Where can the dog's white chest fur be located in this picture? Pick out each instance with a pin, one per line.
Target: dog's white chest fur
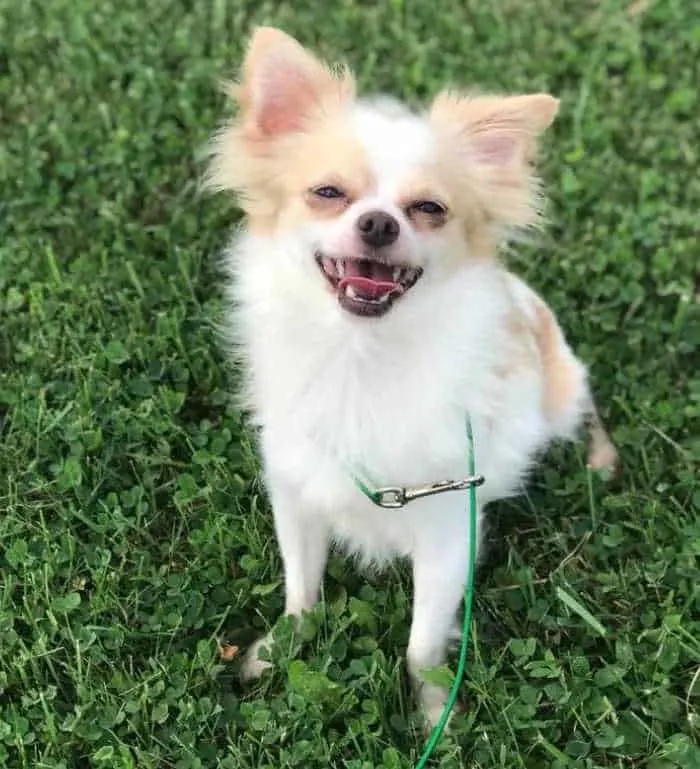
(337, 395)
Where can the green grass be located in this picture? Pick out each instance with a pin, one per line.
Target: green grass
(133, 531)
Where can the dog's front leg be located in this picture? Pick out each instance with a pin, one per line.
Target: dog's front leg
(439, 574)
(303, 542)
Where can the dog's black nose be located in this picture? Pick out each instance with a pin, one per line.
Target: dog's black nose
(378, 228)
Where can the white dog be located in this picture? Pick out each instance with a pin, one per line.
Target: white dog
(374, 317)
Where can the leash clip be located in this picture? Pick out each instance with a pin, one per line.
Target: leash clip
(399, 496)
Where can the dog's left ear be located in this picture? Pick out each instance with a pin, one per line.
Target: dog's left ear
(494, 131)
(283, 83)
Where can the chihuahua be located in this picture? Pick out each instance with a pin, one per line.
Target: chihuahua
(373, 315)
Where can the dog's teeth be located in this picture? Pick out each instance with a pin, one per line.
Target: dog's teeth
(340, 267)
(350, 291)
(397, 274)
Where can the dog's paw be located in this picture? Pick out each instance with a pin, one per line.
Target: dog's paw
(253, 667)
(602, 454)
(433, 700)
(603, 457)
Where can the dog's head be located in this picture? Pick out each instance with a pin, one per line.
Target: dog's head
(374, 198)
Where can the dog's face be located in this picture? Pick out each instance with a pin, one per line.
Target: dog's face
(374, 200)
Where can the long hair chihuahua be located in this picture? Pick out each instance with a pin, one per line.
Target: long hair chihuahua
(373, 316)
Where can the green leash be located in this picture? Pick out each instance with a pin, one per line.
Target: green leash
(398, 496)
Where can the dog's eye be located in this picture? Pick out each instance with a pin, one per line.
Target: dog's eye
(328, 191)
(429, 207)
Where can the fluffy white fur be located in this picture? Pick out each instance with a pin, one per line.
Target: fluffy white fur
(333, 392)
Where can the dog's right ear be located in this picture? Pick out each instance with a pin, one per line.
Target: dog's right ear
(494, 131)
(283, 84)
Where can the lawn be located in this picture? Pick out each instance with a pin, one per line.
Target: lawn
(136, 547)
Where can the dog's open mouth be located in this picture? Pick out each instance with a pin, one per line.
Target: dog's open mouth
(367, 287)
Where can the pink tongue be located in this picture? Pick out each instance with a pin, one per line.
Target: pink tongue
(368, 287)
(369, 279)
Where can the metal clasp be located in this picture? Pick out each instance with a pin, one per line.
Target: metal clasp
(399, 496)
